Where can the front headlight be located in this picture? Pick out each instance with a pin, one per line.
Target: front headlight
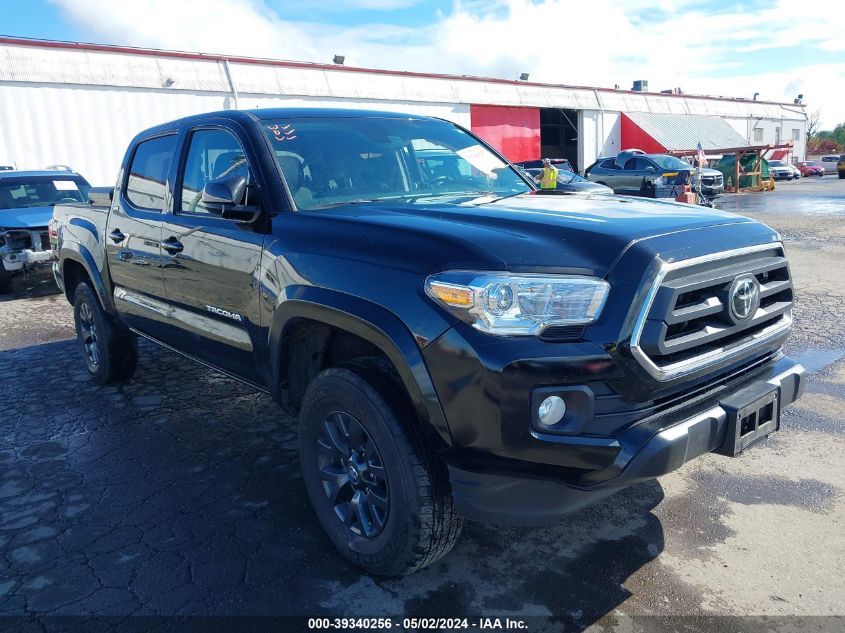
(511, 304)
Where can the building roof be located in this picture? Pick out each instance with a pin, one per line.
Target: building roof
(686, 131)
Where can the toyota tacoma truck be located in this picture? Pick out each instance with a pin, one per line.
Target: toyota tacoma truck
(456, 344)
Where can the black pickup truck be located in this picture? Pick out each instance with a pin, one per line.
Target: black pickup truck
(457, 345)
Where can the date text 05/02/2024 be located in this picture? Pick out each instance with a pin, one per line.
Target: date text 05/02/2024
(417, 624)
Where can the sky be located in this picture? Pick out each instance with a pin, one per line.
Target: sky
(779, 48)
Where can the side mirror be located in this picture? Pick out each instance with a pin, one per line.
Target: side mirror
(229, 190)
(650, 168)
(230, 194)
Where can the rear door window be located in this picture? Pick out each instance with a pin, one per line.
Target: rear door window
(146, 183)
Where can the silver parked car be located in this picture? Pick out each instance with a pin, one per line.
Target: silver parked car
(712, 182)
(780, 170)
(829, 163)
(635, 173)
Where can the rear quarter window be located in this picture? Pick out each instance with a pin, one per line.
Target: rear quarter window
(146, 182)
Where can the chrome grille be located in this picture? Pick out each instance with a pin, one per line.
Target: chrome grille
(687, 322)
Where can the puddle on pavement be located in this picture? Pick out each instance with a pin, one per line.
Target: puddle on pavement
(815, 360)
(809, 494)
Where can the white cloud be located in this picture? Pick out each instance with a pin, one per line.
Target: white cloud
(671, 43)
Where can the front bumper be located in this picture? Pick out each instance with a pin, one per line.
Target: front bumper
(516, 498)
(18, 260)
(712, 190)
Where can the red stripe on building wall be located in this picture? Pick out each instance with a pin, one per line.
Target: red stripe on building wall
(634, 137)
(515, 132)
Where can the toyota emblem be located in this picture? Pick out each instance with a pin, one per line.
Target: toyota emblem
(744, 298)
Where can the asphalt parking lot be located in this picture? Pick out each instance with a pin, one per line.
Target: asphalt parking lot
(179, 494)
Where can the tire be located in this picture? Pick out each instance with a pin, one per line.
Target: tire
(110, 351)
(405, 518)
(5, 281)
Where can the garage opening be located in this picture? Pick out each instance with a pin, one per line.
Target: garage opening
(559, 134)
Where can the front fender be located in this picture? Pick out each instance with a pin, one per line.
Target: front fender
(372, 323)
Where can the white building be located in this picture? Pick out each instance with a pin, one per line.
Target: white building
(80, 104)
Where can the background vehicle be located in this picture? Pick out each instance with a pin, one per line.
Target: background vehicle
(559, 163)
(634, 173)
(712, 182)
(569, 182)
(796, 173)
(26, 206)
(452, 351)
(780, 170)
(829, 163)
(811, 168)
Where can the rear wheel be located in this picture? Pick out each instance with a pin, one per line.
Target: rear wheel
(376, 483)
(110, 351)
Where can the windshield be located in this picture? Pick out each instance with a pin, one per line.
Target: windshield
(670, 162)
(41, 191)
(329, 161)
(776, 163)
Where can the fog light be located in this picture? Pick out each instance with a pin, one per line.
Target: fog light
(551, 410)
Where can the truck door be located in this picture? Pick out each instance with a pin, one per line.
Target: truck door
(211, 272)
(133, 233)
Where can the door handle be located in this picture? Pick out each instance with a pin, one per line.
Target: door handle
(116, 236)
(172, 245)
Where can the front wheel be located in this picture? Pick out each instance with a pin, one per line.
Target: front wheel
(110, 351)
(376, 483)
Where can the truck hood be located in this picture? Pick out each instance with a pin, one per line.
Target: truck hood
(586, 233)
(26, 218)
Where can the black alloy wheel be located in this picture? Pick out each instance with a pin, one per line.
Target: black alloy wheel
(372, 472)
(353, 475)
(88, 336)
(109, 349)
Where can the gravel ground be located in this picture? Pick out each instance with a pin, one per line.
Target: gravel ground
(179, 495)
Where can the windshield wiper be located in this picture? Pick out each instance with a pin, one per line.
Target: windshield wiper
(510, 195)
(342, 203)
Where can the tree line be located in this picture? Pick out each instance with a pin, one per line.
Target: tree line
(824, 141)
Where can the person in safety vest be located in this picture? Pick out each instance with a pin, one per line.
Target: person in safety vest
(548, 179)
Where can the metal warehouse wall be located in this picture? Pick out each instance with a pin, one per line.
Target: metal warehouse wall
(80, 104)
(89, 127)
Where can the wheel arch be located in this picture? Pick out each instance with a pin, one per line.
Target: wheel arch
(364, 320)
(78, 266)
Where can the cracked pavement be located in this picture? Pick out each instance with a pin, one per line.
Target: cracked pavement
(179, 494)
